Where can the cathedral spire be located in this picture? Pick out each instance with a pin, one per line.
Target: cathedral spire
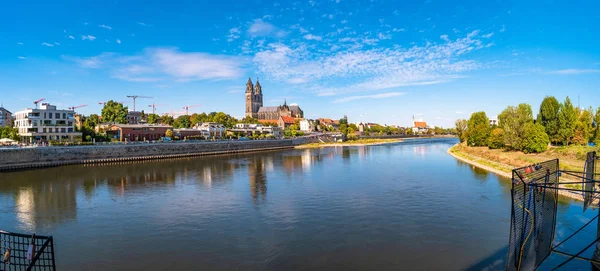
(249, 86)
(258, 88)
(284, 101)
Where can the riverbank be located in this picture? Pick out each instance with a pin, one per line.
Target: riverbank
(502, 162)
(358, 142)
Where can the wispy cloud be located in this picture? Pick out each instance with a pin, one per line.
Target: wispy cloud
(88, 37)
(503, 28)
(234, 33)
(118, 41)
(19, 43)
(312, 37)
(459, 112)
(574, 71)
(21, 57)
(374, 96)
(489, 35)
(258, 28)
(143, 24)
(371, 68)
(105, 26)
(71, 37)
(159, 64)
(47, 44)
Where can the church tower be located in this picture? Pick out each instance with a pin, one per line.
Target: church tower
(249, 99)
(258, 97)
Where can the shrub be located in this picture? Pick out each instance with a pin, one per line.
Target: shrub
(496, 139)
(536, 140)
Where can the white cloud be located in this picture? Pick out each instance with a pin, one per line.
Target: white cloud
(487, 36)
(503, 28)
(159, 64)
(234, 33)
(56, 43)
(459, 112)
(258, 28)
(368, 69)
(88, 37)
(21, 57)
(574, 71)
(235, 90)
(398, 29)
(374, 96)
(344, 22)
(143, 24)
(71, 37)
(47, 44)
(444, 38)
(297, 80)
(383, 36)
(312, 37)
(105, 26)
(118, 41)
(19, 43)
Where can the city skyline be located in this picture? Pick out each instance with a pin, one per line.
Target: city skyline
(378, 62)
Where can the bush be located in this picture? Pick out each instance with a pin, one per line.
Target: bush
(352, 137)
(536, 140)
(496, 140)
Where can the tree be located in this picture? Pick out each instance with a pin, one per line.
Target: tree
(580, 136)
(182, 122)
(461, 129)
(153, 118)
(249, 120)
(496, 140)
(353, 127)
(92, 121)
(9, 132)
(114, 112)
(169, 133)
(536, 140)
(586, 116)
(478, 128)
(168, 120)
(438, 130)
(596, 137)
(548, 117)
(512, 120)
(344, 128)
(567, 116)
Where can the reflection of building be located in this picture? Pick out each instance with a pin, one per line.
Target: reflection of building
(46, 123)
(258, 178)
(46, 205)
(255, 108)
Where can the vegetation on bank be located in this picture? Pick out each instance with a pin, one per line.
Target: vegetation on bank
(357, 142)
(557, 124)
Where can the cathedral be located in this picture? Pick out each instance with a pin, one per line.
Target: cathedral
(255, 108)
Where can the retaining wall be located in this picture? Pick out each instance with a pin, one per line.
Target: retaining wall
(15, 159)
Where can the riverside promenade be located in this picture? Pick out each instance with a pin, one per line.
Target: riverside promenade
(29, 158)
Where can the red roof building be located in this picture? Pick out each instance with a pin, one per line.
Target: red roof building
(285, 122)
(420, 124)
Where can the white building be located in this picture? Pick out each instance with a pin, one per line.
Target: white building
(5, 117)
(307, 125)
(46, 123)
(214, 129)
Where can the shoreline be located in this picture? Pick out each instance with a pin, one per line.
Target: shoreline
(473, 160)
(346, 144)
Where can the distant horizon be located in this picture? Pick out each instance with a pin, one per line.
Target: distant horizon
(374, 62)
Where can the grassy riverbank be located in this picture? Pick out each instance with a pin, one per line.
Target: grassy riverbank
(358, 142)
(502, 162)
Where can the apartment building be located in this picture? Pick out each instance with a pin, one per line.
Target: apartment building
(46, 123)
(5, 117)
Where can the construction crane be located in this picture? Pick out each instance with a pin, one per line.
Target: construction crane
(79, 106)
(153, 105)
(121, 102)
(173, 113)
(190, 106)
(38, 101)
(135, 97)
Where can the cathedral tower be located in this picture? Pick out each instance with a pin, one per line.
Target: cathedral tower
(258, 97)
(250, 99)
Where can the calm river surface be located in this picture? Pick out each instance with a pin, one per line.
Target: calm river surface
(404, 206)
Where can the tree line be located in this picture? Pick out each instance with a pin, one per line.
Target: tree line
(559, 124)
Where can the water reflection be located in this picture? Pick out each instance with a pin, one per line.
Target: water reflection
(258, 179)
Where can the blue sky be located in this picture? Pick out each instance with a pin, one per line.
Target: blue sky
(378, 61)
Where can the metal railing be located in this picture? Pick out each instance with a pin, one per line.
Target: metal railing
(26, 252)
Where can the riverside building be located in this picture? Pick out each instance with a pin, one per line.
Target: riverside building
(46, 123)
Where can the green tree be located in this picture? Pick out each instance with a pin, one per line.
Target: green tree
(478, 128)
(438, 130)
(496, 140)
(153, 118)
(344, 128)
(249, 120)
(353, 127)
(182, 122)
(92, 121)
(114, 112)
(167, 120)
(9, 132)
(596, 137)
(567, 116)
(536, 140)
(580, 136)
(548, 117)
(461, 129)
(512, 120)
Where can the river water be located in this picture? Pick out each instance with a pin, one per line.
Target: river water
(402, 206)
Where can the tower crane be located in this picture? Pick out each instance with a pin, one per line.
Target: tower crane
(190, 106)
(153, 105)
(134, 97)
(38, 101)
(79, 106)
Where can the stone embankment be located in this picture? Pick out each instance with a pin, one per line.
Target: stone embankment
(28, 158)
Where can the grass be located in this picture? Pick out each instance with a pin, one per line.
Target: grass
(358, 142)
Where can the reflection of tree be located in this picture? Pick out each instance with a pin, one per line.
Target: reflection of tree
(258, 178)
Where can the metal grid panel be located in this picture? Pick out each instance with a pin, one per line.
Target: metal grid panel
(588, 175)
(533, 215)
(19, 244)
